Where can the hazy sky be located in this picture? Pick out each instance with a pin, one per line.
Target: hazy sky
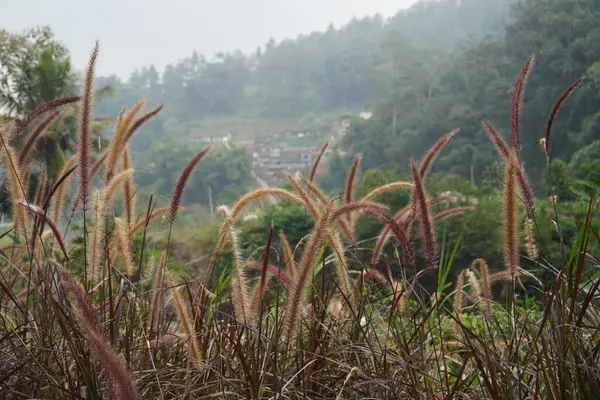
(134, 33)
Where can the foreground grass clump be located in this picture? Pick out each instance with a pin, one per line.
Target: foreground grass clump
(101, 316)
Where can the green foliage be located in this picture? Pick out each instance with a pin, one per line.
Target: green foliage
(34, 68)
(589, 153)
(458, 91)
(225, 170)
(557, 230)
(346, 68)
(59, 337)
(559, 180)
(491, 179)
(481, 233)
(374, 178)
(292, 218)
(590, 172)
(367, 226)
(334, 173)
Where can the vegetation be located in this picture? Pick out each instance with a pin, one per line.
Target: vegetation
(99, 314)
(472, 86)
(304, 83)
(137, 264)
(225, 169)
(417, 81)
(327, 70)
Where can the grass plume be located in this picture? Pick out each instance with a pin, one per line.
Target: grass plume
(288, 255)
(315, 166)
(94, 247)
(43, 215)
(239, 283)
(458, 297)
(357, 205)
(63, 186)
(240, 297)
(532, 251)
(427, 227)
(128, 189)
(511, 239)
(349, 188)
(295, 299)
(17, 188)
(384, 188)
(342, 223)
(84, 127)
(481, 267)
(476, 292)
(157, 297)
(138, 123)
(497, 139)
(181, 183)
(257, 194)
(35, 135)
(121, 383)
(42, 109)
(554, 112)
(186, 321)
(391, 225)
(118, 141)
(433, 152)
(505, 152)
(122, 239)
(516, 108)
(113, 185)
(349, 185)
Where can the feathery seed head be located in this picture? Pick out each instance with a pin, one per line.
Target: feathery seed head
(84, 127)
(427, 228)
(295, 300)
(511, 247)
(181, 183)
(517, 104)
(554, 112)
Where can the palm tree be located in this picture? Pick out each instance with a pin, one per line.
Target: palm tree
(35, 69)
(49, 78)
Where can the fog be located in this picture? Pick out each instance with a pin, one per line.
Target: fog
(134, 33)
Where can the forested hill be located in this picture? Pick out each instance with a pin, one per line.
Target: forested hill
(421, 105)
(441, 64)
(345, 68)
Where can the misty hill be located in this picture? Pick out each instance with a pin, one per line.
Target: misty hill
(302, 80)
(436, 66)
(421, 103)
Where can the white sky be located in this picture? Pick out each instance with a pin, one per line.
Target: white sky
(134, 33)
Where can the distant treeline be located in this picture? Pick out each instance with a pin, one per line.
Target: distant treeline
(334, 69)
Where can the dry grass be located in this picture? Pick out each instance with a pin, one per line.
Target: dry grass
(82, 322)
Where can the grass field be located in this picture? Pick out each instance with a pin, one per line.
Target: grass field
(107, 314)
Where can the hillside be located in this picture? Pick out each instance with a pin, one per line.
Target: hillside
(424, 103)
(303, 80)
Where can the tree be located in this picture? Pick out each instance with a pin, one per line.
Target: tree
(225, 169)
(589, 172)
(559, 181)
(35, 69)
